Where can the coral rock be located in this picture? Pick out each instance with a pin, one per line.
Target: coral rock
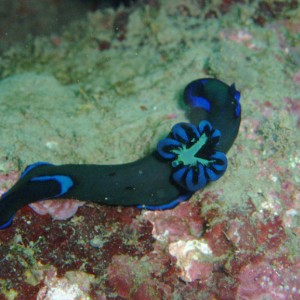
(265, 280)
(183, 222)
(192, 259)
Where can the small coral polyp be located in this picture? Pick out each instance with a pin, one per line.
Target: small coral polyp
(191, 150)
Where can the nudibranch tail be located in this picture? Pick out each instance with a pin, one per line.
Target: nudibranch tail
(33, 166)
(7, 223)
(191, 150)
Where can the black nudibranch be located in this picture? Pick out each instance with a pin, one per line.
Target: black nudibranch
(191, 156)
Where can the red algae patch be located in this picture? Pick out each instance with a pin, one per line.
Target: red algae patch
(35, 241)
(58, 209)
(133, 278)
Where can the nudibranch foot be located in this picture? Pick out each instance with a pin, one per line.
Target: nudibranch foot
(7, 223)
(168, 205)
(191, 150)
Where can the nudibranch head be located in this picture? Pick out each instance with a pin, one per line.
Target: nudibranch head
(191, 150)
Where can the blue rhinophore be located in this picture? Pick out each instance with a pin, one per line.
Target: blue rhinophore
(238, 109)
(197, 101)
(191, 150)
(65, 182)
(33, 166)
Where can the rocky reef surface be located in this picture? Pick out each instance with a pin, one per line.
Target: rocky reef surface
(105, 90)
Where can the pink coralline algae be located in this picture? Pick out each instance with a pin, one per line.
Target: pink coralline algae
(58, 209)
(249, 239)
(137, 278)
(269, 280)
(181, 229)
(239, 37)
(194, 249)
(182, 222)
(193, 259)
(266, 232)
(75, 285)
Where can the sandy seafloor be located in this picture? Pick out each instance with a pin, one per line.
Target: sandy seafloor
(105, 91)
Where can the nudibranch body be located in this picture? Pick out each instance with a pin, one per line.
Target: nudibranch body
(190, 157)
